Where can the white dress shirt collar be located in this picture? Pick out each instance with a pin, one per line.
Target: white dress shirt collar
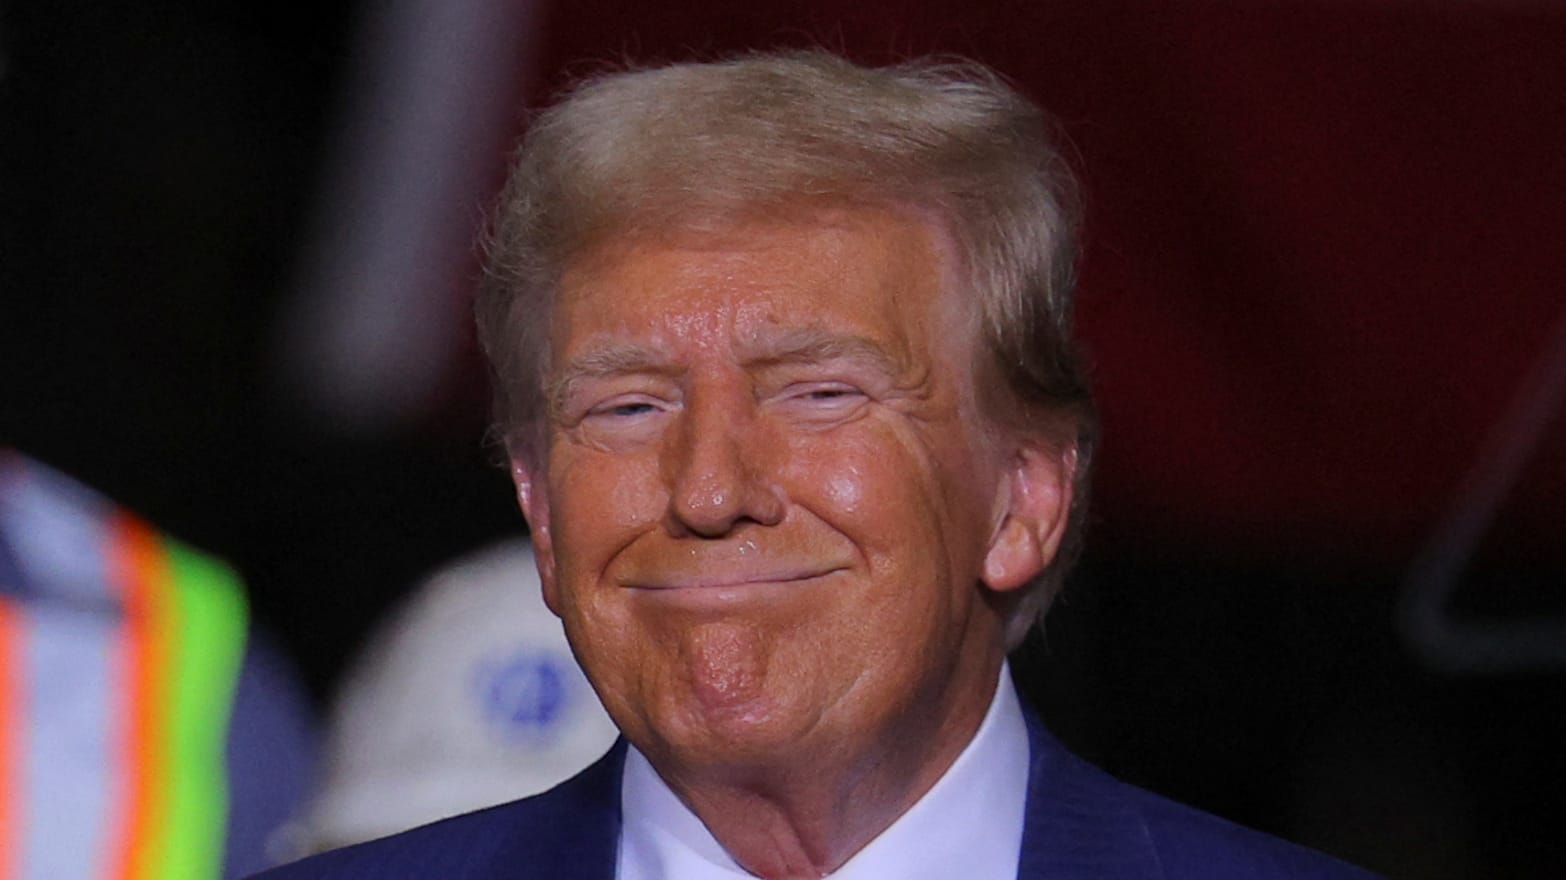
(969, 824)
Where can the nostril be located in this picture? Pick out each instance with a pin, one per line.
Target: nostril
(766, 506)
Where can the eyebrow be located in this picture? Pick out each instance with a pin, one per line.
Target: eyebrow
(802, 345)
(611, 359)
(806, 345)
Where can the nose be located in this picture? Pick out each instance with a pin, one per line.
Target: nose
(716, 471)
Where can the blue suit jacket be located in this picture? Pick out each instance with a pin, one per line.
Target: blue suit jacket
(1080, 824)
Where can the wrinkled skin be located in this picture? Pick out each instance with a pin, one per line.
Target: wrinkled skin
(776, 524)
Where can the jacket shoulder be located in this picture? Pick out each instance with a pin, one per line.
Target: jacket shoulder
(567, 833)
(1083, 823)
(1192, 844)
(455, 847)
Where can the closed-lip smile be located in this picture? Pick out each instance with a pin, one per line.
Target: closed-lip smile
(731, 580)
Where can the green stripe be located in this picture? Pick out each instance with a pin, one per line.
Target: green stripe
(207, 652)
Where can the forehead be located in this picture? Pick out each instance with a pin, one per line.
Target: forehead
(879, 275)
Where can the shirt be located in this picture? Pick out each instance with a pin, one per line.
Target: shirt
(968, 825)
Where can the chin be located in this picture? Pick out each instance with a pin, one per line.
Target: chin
(756, 732)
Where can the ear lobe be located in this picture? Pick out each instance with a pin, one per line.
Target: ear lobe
(1038, 505)
(534, 502)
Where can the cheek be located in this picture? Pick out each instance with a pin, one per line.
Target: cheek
(609, 500)
(869, 484)
(916, 504)
(845, 491)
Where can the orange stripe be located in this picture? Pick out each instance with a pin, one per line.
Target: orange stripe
(138, 566)
(11, 720)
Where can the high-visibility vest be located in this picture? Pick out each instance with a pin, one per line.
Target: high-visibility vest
(120, 650)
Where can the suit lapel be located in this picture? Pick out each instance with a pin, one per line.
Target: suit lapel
(1079, 823)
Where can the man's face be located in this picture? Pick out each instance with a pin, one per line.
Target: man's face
(768, 499)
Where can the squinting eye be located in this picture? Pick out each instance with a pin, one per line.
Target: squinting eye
(826, 395)
(625, 421)
(626, 409)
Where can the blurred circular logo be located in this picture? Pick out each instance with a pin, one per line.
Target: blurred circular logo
(524, 696)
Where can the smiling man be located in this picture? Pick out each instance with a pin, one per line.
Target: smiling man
(785, 373)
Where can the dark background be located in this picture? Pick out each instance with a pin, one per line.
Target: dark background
(1324, 263)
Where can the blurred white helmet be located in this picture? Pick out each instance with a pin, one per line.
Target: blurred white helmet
(467, 696)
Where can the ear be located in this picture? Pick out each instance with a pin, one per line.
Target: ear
(534, 501)
(1037, 503)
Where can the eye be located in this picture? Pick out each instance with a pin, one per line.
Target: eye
(623, 408)
(827, 394)
(629, 409)
(624, 421)
(829, 399)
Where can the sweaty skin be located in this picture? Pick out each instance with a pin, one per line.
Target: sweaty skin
(775, 522)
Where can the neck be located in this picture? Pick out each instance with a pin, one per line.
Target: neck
(805, 817)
